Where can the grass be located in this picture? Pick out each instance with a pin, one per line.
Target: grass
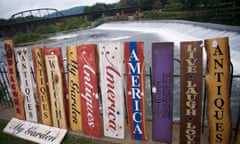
(69, 139)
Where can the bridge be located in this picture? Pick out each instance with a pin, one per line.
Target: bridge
(28, 21)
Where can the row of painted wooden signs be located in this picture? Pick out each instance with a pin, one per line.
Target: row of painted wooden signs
(77, 106)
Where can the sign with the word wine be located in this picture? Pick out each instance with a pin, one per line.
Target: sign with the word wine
(134, 62)
(218, 90)
(162, 91)
(75, 116)
(87, 66)
(26, 85)
(41, 83)
(34, 132)
(191, 92)
(17, 96)
(111, 76)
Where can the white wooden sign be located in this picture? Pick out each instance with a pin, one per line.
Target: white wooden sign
(111, 71)
(35, 132)
(26, 84)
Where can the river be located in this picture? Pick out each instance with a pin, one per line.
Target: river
(155, 31)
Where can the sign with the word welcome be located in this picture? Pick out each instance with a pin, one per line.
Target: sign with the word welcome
(35, 132)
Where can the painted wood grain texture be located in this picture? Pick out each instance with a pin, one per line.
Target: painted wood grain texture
(17, 95)
(55, 86)
(162, 91)
(191, 92)
(75, 112)
(41, 83)
(26, 84)
(218, 90)
(58, 52)
(87, 66)
(111, 75)
(35, 132)
(134, 61)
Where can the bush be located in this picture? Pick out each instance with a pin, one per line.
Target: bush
(26, 37)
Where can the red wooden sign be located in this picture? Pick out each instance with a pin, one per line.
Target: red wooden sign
(17, 95)
(134, 61)
(87, 66)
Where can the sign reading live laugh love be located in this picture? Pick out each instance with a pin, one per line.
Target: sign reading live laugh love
(111, 74)
(218, 90)
(191, 92)
(162, 91)
(26, 84)
(134, 61)
(87, 66)
(35, 132)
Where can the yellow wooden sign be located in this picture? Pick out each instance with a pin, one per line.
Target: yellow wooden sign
(55, 86)
(73, 90)
(218, 90)
(41, 82)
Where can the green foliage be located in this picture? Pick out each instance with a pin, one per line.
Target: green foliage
(26, 37)
(157, 5)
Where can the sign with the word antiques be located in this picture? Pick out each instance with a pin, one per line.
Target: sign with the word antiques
(75, 116)
(111, 76)
(218, 90)
(34, 132)
(26, 84)
(87, 66)
(17, 95)
(191, 92)
(162, 91)
(41, 83)
(134, 61)
(55, 85)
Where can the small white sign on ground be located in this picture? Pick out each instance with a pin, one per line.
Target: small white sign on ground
(35, 132)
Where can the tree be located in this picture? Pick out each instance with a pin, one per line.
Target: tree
(157, 5)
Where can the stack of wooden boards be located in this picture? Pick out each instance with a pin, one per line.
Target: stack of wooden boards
(112, 74)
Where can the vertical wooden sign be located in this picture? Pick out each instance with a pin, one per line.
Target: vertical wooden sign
(41, 83)
(162, 91)
(58, 53)
(55, 86)
(191, 92)
(87, 66)
(218, 90)
(17, 95)
(26, 85)
(134, 61)
(75, 116)
(111, 72)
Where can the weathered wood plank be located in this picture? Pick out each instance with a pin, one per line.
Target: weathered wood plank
(111, 74)
(218, 90)
(26, 84)
(134, 61)
(162, 91)
(55, 86)
(17, 95)
(75, 112)
(87, 66)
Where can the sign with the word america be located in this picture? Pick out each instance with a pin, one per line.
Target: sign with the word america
(111, 76)
(134, 61)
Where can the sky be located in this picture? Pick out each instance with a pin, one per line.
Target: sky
(10, 7)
